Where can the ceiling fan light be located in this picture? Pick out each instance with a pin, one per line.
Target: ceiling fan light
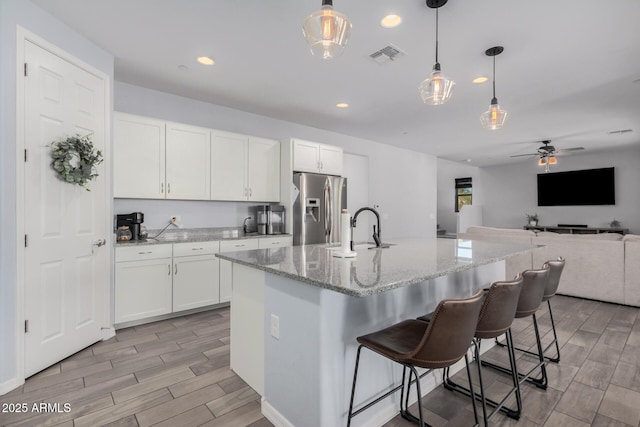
(542, 161)
(553, 160)
(436, 89)
(326, 31)
(494, 117)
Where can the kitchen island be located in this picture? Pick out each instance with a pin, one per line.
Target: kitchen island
(297, 311)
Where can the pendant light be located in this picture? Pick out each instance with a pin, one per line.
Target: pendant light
(494, 118)
(326, 31)
(436, 89)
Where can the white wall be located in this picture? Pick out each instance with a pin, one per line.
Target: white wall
(35, 20)
(402, 182)
(511, 191)
(447, 173)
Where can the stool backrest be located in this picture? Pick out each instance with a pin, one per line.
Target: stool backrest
(533, 286)
(449, 333)
(555, 271)
(499, 308)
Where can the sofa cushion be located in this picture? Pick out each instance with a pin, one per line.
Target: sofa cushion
(631, 237)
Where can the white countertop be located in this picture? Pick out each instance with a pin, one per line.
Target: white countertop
(372, 271)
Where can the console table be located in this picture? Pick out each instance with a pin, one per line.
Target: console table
(576, 230)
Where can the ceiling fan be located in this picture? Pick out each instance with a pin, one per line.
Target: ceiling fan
(548, 150)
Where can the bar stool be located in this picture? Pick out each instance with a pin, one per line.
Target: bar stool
(496, 317)
(416, 344)
(533, 287)
(555, 271)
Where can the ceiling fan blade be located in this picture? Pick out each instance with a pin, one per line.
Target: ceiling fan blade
(527, 155)
(568, 150)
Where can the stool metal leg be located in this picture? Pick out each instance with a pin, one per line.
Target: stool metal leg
(353, 387)
(498, 406)
(554, 342)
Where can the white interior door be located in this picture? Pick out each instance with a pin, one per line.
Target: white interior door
(66, 275)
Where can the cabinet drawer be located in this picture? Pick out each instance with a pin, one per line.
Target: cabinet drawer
(195, 248)
(275, 242)
(239, 245)
(143, 252)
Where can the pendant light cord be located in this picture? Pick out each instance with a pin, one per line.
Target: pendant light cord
(494, 76)
(437, 35)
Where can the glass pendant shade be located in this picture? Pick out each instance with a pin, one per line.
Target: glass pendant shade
(494, 117)
(542, 161)
(326, 31)
(552, 160)
(436, 89)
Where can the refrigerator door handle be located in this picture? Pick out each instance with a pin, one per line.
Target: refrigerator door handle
(330, 209)
(327, 212)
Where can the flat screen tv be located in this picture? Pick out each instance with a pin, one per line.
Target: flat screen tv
(577, 188)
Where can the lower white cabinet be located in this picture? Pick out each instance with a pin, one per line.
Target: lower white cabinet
(143, 287)
(196, 278)
(275, 242)
(226, 272)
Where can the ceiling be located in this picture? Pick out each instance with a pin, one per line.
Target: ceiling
(570, 71)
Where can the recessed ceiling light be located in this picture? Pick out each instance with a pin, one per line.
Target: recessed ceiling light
(391, 21)
(481, 79)
(205, 60)
(468, 160)
(342, 105)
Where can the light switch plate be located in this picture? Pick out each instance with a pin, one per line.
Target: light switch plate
(275, 326)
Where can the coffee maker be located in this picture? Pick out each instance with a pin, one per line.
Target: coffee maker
(133, 221)
(270, 219)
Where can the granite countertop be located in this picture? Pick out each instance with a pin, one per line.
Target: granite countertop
(184, 235)
(407, 262)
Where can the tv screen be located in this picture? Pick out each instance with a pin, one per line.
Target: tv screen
(577, 188)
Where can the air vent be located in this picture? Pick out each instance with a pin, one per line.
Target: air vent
(387, 54)
(620, 132)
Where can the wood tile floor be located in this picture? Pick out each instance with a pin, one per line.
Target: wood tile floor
(176, 373)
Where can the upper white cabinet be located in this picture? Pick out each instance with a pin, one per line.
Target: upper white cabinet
(315, 157)
(188, 157)
(139, 157)
(244, 168)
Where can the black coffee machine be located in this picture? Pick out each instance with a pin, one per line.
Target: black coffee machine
(133, 221)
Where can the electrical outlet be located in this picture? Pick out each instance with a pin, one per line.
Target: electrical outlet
(275, 326)
(176, 220)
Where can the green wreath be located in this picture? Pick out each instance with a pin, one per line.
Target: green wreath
(75, 159)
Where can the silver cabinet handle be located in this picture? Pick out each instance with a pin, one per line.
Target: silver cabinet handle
(239, 246)
(275, 243)
(168, 188)
(321, 165)
(169, 272)
(175, 269)
(144, 253)
(197, 249)
(250, 192)
(99, 242)
(162, 187)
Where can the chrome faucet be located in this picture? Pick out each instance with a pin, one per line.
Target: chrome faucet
(376, 233)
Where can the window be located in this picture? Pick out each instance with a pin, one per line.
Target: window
(463, 192)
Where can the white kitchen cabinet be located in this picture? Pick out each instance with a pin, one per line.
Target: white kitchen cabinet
(138, 157)
(188, 162)
(196, 278)
(228, 166)
(263, 170)
(275, 242)
(244, 168)
(317, 158)
(143, 282)
(226, 270)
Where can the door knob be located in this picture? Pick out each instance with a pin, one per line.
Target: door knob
(99, 242)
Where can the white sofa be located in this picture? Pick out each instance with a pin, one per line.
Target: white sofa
(604, 267)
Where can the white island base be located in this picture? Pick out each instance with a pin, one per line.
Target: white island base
(305, 374)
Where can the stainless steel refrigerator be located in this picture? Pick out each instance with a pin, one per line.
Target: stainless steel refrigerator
(318, 201)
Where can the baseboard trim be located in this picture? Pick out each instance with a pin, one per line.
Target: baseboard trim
(108, 333)
(276, 418)
(9, 385)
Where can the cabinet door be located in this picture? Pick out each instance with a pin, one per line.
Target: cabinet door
(331, 159)
(305, 156)
(226, 271)
(138, 157)
(196, 282)
(188, 162)
(228, 166)
(142, 289)
(264, 170)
